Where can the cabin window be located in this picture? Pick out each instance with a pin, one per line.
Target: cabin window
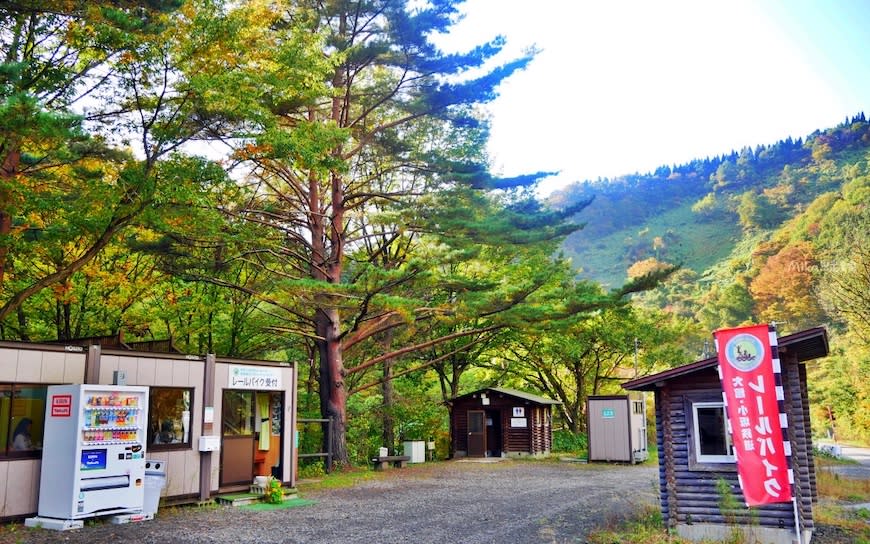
(22, 419)
(169, 418)
(712, 443)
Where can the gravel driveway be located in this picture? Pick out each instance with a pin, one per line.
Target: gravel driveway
(449, 502)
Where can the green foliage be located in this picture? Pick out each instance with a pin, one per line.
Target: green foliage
(567, 441)
(726, 306)
(311, 469)
(274, 492)
(363, 432)
(366, 219)
(840, 391)
(710, 207)
(729, 506)
(757, 211)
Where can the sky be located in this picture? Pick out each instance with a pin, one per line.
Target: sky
(622, 86)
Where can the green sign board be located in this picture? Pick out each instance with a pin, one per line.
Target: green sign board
(608, 413)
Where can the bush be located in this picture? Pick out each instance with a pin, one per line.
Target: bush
(312, 469)
(274, 492)
(566, 441)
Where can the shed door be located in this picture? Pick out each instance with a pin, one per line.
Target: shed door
(476, 433)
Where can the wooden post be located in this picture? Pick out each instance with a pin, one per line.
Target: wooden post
(329, 451)
(294, 453)
(205, 457)
(92, 364)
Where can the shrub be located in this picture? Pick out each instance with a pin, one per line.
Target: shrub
(274, 492)
(566, 441)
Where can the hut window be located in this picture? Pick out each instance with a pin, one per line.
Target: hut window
(712, 442)
(169, 418)
(22, 418)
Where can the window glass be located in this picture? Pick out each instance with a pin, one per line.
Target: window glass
(22, 419)
(712, 443)
(169, 417)
(238, 413)
(475, 422)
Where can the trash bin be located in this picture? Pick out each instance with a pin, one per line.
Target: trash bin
(155, 481)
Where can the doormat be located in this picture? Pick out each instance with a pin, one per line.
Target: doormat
(265, 506)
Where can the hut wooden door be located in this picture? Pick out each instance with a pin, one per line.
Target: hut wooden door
(476, 433)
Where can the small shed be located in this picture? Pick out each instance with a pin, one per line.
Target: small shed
(499, 422)
(616, 426)
(694, 453)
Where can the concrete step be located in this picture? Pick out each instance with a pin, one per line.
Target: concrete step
(255, 495)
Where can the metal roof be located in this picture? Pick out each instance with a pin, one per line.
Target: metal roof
(513, 393)
(807, 345)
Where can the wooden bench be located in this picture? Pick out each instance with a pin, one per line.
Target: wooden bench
(384, 461)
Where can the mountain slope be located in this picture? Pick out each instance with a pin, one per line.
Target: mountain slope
(696, 214)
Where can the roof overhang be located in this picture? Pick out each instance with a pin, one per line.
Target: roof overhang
(805, 345)
(511, 393)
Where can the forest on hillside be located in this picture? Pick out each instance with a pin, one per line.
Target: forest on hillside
(308, 182)
(774, 234)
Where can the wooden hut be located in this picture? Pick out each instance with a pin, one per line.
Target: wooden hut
(694, 455)
(499, 422)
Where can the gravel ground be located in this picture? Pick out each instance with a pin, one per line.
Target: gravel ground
(451, 502)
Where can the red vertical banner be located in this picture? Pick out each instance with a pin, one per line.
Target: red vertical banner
(752, 390)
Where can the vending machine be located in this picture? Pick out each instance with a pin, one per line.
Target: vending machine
(93, 457)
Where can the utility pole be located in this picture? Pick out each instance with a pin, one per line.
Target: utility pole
(636, 342)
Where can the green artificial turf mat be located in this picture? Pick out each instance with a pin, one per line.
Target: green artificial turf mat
(289, 503)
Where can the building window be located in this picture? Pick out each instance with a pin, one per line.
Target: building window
(711, 441)
(238, 413)
(169, 411)
(22, 420)
(637, 406)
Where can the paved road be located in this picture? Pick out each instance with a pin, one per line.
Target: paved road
(862, 455)
(859, 471)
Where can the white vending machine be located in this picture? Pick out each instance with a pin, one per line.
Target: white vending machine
(93, 457)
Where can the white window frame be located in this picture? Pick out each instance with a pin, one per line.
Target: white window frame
(696, 435)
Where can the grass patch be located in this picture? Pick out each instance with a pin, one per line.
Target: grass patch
(646, 527)
(341, 479)
(836, 487)
(846, 520)
(266, 506)
(697, 244)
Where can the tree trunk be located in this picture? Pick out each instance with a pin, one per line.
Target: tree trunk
(22, 325)
(67, 318)
(389, 431)
(7, 172)
(333, 395)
